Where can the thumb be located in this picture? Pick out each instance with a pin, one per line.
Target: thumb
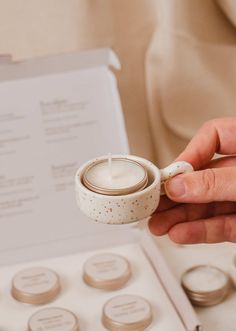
(203, 186)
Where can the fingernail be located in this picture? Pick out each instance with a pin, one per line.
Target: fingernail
(175, 187)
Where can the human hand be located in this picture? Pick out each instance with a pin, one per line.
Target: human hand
(200, 207)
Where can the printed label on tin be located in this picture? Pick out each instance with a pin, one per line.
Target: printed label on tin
(106, 267)
(128, 309)
(54, 319)
(35, 280)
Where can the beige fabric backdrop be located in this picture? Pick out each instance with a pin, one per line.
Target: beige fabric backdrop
(191, 71)
(38, 27)
(170, 46)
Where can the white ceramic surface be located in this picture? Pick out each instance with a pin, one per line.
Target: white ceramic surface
(128, 208)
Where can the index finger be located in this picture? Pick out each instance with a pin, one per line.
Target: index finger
(165, 203)
(215, 136)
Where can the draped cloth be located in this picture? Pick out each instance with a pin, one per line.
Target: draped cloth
(190, 71)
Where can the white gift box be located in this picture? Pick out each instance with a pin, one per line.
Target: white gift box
(56, 113)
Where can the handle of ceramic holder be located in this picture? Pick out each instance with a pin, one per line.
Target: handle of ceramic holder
(172, 170)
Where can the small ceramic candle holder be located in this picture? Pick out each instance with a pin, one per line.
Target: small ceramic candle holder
(129, 193)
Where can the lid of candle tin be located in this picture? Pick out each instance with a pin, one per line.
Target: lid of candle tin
(205, 285)
(127, 313)
(107, 271)
(128, 176)
(35, 286)
(54, 319)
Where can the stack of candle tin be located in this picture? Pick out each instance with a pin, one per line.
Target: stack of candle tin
(205, 285)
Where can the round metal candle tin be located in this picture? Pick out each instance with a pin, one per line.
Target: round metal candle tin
(53, 319)
(127, 313)
(131, 188)
(205, 285)
(35, 286)
(107, 271)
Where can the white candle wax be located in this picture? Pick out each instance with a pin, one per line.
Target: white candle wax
(205, 279)
(117, 176)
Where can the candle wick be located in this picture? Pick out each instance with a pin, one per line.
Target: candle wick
(110, 165)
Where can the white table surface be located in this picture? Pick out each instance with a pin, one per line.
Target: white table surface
(215, 318)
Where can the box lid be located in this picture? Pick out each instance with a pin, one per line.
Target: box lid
(53, 64)
(55, 113)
